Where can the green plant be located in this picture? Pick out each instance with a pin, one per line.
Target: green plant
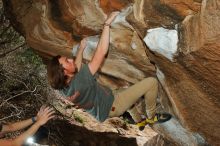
(30, 56)
(78, 118)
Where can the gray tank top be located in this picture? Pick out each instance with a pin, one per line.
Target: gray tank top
(95, 98)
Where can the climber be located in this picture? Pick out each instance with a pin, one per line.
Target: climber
(77, 82)
(44, 114)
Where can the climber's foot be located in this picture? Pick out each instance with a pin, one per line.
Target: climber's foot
(158, 118)
(163, 117)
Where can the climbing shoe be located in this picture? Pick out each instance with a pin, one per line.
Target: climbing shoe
(158, 118)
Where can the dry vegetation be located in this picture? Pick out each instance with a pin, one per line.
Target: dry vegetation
(23, 86)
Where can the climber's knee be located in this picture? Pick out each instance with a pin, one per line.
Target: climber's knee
(151, 80)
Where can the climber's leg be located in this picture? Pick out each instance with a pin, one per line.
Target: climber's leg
(125, 99)
(150, 98)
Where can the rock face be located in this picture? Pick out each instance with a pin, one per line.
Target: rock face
(177, 41)
(77, 136)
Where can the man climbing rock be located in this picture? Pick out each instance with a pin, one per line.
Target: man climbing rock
(77, 82)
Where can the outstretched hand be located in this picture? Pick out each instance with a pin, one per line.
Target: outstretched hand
(111, 17)
(44, 115)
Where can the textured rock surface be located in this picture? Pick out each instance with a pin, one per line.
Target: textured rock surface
(114, 131)
(189, 76)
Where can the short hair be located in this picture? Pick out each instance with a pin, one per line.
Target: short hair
(55, 73)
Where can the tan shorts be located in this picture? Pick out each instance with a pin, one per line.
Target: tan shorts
(126, 98)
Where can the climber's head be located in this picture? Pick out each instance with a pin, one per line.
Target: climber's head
(59, 70)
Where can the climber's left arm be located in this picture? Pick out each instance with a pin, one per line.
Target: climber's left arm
(79, 55)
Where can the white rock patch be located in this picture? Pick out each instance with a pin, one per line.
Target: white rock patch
(174, 130)
(162, 41)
